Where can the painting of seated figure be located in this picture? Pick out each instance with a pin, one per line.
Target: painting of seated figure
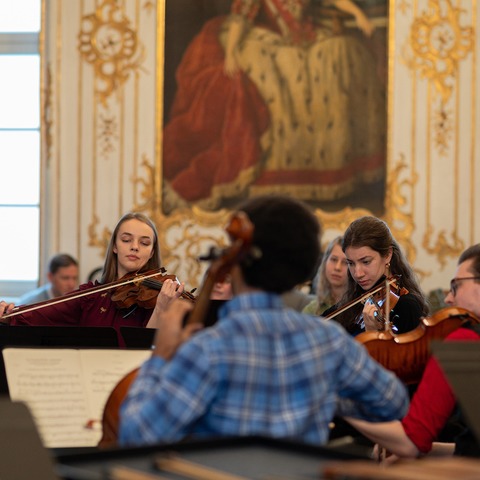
(275, 96)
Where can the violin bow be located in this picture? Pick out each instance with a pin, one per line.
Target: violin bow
(71, 296)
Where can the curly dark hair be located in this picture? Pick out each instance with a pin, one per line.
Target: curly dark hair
(287, 234)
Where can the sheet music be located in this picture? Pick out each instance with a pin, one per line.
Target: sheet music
(66, 389)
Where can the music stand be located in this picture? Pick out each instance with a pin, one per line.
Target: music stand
(137, 337)
(61, 336)
(460, 360)
(50, 336)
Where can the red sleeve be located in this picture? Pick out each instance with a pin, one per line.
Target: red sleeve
(433, 402)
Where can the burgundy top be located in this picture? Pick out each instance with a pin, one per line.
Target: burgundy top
(433, 402)
(95, 310)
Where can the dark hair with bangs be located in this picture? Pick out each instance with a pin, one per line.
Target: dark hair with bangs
(287, 234)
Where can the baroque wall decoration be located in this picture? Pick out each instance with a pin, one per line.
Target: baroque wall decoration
(109, 43)
(439, 42)
(107, 133)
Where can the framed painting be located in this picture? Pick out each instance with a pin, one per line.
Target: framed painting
(274, 96)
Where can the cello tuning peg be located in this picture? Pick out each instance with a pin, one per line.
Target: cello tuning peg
(213, 253)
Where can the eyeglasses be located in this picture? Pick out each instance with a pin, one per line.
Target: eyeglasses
(455, 281)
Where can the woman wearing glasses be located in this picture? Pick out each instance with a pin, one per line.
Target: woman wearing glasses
(434, 401)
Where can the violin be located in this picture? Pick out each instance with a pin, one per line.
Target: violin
(384, 296)
(406, 354)
(240, 230)
(144, 291)
(123, 282)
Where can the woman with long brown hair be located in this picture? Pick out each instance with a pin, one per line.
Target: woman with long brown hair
(372, 255)
(133, 248)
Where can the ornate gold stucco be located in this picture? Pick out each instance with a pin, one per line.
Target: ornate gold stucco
(107, 133)
(400, 221)
(438, 42)
(107, 42)
(442, 248)
(443, 128)
(101, 242)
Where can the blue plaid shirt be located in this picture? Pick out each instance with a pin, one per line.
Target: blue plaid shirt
(264, 370)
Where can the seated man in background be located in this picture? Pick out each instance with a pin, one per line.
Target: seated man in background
(262, 369)
(62, 279)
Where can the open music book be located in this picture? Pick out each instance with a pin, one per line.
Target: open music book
(66, 389)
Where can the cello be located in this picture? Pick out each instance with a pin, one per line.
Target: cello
(240, 231)
(406, 354)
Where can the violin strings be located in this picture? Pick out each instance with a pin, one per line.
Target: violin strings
(158, 285)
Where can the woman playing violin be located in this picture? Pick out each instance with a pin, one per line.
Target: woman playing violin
(434, 401)
(372, 255)
(133, 248)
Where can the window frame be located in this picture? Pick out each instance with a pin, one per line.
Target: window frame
(23, 43)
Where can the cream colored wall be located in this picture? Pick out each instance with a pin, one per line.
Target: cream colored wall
(102, 112)
(100, 83)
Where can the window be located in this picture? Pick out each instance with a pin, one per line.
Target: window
(19, 146)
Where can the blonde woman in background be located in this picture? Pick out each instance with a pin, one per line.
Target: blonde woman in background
(331, 279)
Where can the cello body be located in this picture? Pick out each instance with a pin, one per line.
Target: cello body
(111, 412)
(407, 354)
